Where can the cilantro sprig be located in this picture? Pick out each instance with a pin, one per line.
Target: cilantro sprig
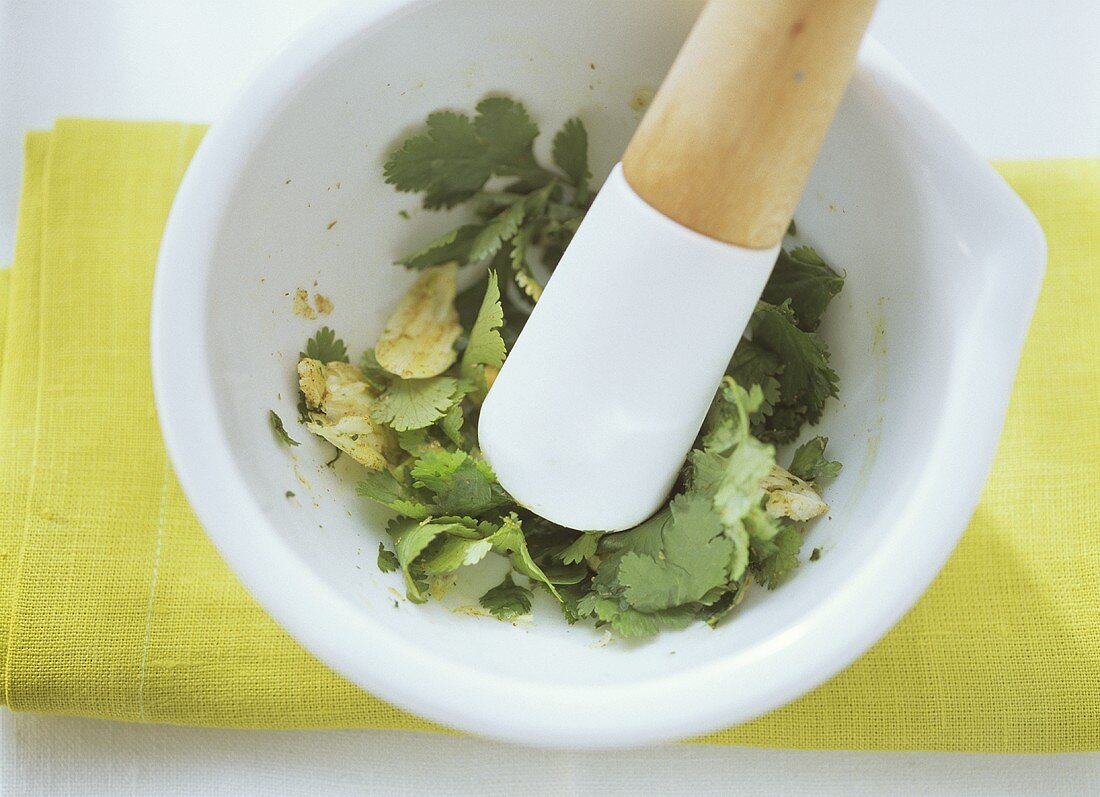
(537, 210)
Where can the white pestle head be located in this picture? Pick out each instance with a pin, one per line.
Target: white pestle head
(596, 407)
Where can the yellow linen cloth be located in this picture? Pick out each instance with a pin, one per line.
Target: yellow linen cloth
(114, 604)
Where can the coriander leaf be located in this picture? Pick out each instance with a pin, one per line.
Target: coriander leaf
(727, 421)
(485, 346)
(753, 365)
(449, 162)
(489, 203)
(387, 560)
(507, 600)
(646, 538)
(739, 558)
(815, 554)
(571, 155)
(436, 470)
(809, 461)
(451, 425)
(452, 246)
(725, 604)
(806, 380)
(455, 552)
(415, 442)
(732, 464)
(545, 539)
(509, 540)
(695, 559)
(705, 471)
(409, 541)
(499, 229)
(563, 214)
(386, 489)
(413, 540)
(778, 557)
(415, 403)
(280, 430)
(563, 575)
(783, 424)
(761, 526)
(738, 489)
(581, 548)
(460, 484)
(521, 268)
(325, 347)
(508, 133)
(571, 596)
(630, 623)
(537, 203)
(801, 276)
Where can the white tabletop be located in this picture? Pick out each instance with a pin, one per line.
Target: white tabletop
(1019, 78)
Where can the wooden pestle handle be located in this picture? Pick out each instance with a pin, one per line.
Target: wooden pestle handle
(730, 137)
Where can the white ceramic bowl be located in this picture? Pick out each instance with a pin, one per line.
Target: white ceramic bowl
(943, 263)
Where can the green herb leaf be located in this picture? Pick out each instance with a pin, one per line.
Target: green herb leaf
(415, 442)
(280, 430)
(410, 539)
(509, 540)
(727, 422)
(777, 557)
(453, 245)
(753, 365)
(449, 162)
(500, 228)
(571, 155)
(451, 425)
(415, 403)
(809, 461)
(507, 600)
(581, 548)
(455, 157)
(325, 347)
(806, 381)
(485, 346)
(460, 484)
(803, 278)
(694, 559)
(387, 560)
(521, 268)
(508, 133)
(385, 488)
(455, 552)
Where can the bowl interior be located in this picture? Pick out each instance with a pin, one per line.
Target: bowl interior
(310, 211)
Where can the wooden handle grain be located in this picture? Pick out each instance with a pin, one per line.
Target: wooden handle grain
(730, 137)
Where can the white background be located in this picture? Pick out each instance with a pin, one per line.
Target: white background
(1019, 78)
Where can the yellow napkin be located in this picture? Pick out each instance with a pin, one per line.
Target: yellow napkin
(114, 604)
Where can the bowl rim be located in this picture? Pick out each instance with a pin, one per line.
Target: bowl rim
(676, 705)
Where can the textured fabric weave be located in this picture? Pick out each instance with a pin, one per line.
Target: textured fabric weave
(113, 603)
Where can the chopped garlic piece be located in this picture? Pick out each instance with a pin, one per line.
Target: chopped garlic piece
(339, 401)
(790, 496)
(311, 382)
(418, 340)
